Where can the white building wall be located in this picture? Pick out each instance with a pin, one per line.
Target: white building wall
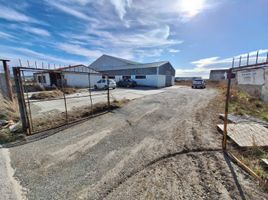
(173, 80)
(118, 78)
(161, 81)
(47, 78)
(254, 81)
(151, 80)
(251, 77)
(81, 80)
(264, 91)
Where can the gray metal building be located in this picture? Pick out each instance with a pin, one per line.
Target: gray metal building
(157, 74)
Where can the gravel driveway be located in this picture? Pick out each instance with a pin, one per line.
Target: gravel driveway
(162, 146)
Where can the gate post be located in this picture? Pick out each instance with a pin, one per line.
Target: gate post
(7, 77)
(20, 96)
(108, 93)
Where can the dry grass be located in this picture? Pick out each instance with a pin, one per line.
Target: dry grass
(8, 111)
(184, 83)
(242, 103)
(33, 87)
(53, 94)
(54, 120)
(252, 158)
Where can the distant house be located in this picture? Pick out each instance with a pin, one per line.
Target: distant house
(156, 74)
(218, 74)
(73, 76)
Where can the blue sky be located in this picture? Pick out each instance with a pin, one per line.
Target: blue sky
(194, 35)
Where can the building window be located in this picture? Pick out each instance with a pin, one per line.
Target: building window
(126, 77)
(111, 77)
(140, 77)
(41, 79)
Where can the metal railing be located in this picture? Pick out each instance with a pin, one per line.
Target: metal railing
(68, 111)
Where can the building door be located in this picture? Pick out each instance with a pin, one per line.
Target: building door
(168, 80)
(55, 79)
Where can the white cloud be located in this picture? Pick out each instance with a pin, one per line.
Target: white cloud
(13, 15)
(138, 45)
(82, 2)
(174, 50)
(156, 37)
(121, 6)
(37, 31)
(6, 35)
(203, 66)
(14, 53)
(205, 62)
(189, 9)
(79, 50)
(69, 10)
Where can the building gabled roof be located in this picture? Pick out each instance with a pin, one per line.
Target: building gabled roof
(71, 68)
(219, 70)
(107, 63)
(81, 68)
(121, 59)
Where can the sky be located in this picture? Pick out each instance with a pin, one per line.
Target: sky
(195, 36)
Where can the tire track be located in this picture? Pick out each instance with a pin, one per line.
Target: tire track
(164, 157)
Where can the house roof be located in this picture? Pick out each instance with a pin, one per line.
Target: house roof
(219, 70)
(107, 63)
(72, 68)
(123, 60)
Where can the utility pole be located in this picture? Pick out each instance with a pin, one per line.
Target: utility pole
(8, 80)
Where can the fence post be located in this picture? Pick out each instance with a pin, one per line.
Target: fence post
(20, 96)
(8, 81)
(108, 93)
(224, 141)
(64, 98)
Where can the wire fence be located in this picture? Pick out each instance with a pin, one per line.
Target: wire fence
(54, 98)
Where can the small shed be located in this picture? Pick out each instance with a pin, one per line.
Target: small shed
(79, 76)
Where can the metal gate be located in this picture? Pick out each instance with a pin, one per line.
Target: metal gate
(48, 101)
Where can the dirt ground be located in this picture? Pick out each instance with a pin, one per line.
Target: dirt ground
(162, 146)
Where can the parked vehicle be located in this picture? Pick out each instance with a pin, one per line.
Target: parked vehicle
(127, 83)
(199, 83)
(103, 84)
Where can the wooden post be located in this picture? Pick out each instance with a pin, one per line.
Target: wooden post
(8, 80)
(108, 93)
(224, 141)
(257, 56)
(20, 96)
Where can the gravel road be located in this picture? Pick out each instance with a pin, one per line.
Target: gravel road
(162, 146)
